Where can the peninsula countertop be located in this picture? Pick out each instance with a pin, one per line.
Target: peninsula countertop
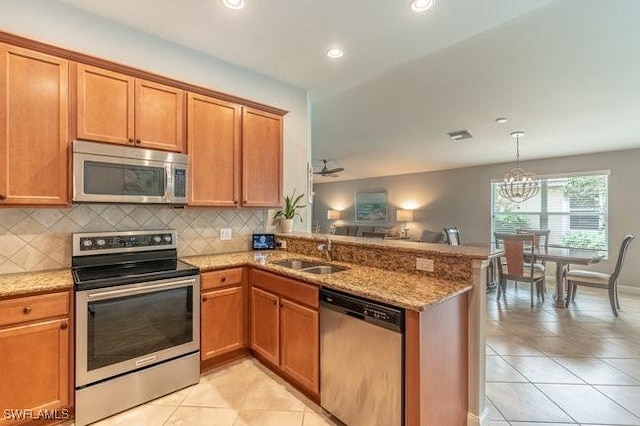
(396, 288)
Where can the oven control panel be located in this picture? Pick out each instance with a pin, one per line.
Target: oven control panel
(120, 242)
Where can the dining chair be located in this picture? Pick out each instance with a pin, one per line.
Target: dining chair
(516, 268)
(540, 239)
(576, 277)
(453, 236)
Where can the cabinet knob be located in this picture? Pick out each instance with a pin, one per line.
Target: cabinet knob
(26, 310)
(204, 298)
(223, 279)
(3, 197)
(130, 140)
(64, 326)
(138, 141)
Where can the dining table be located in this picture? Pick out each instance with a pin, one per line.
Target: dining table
(563, 257)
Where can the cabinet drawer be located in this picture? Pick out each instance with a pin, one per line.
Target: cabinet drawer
(31, 308)
(223, 278)
(286, 287)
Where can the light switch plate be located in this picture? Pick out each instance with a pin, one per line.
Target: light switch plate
(423, 264)
(225, 234)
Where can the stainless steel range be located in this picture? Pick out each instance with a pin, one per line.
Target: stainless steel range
(137, 320)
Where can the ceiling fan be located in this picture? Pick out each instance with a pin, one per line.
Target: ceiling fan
(326, 171)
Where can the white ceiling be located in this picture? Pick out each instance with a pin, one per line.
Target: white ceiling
(565, 71)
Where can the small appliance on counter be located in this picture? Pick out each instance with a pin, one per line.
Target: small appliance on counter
(137, 313)
(263, 242)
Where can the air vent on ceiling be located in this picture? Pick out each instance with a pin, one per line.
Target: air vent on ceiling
(460, 135)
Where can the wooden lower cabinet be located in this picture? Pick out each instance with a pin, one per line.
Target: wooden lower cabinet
(34, 358)
(222, 322)
(285, 327)
(299, 344)
(265, 324)
(224, 312)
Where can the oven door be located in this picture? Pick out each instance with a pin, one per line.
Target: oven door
(126, 328)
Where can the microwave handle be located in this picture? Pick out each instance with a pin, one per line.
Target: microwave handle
(140, 290)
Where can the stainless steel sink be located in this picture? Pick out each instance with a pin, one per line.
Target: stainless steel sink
(309, 266)
(325, 269)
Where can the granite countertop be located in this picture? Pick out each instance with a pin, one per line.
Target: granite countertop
(473, 251)
(12, 285)
(399, 289)
(396, 288)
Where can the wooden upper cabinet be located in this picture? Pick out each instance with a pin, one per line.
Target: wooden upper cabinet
(105, 110)
(159, 116)
(33, 128)
(213, 143)
(262, 158)
(117, 108)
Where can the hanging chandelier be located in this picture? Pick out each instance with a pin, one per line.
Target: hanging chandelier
(518, 185)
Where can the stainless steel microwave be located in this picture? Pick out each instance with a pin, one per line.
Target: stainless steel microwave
(108, 173)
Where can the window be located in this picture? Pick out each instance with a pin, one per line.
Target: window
(574, 208)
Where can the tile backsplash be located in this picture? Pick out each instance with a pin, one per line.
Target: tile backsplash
(39, 239)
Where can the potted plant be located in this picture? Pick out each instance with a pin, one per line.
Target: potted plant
(289, 211)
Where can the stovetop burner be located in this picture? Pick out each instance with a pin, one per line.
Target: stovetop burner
(118, 258)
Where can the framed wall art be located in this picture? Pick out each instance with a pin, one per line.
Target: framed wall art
(372, 206)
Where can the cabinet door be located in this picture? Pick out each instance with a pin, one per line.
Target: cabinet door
(105, 110)
(262, 158)
(265, 324)
(33, 128)
(213, 138)
(299, 342)
(35, 365)
(221, 321)
(159, 116)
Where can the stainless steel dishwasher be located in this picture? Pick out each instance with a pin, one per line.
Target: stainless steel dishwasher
(361, 360)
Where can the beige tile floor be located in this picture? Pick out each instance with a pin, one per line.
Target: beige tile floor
(242, 394)
(576, 366)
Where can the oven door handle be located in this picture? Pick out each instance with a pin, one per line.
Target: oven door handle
(140, 290)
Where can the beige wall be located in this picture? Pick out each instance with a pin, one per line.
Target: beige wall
(462, 198)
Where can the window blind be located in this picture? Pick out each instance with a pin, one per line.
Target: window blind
(574, 208)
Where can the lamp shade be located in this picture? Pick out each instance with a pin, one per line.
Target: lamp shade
(333, 214)
(404, 215)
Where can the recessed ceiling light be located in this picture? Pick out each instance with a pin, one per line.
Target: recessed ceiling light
(501, 120)
(335, 53)
(234, 4)
(420, 6)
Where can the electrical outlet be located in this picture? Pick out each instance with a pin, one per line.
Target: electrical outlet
(281, 244)
(225, 234)
(423, 264)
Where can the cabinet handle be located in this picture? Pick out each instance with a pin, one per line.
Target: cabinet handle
(274, 302)
(204, 298)
(223, 279)
(3, 197)
(138, 141)
(130, 140)
(64, 326)
(245, 201)
(26, 310)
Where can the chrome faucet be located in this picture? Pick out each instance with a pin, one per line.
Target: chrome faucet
(326, 248)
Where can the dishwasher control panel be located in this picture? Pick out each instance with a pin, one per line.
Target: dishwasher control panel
(379, 314)
(364, 309)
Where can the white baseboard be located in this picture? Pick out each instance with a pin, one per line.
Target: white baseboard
(483, 420)
(629, 289)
